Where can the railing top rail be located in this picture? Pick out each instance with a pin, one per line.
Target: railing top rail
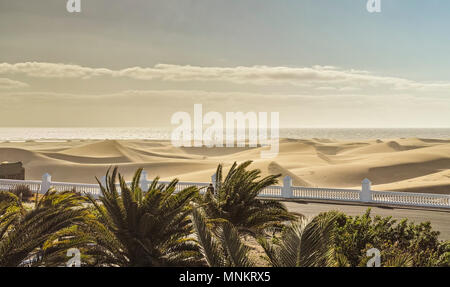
(20, 181)
(193, 183)
(400, 193)
(326, 188)
(74, 184)
(180, 182)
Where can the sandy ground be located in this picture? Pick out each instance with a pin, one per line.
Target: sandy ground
(414, 165)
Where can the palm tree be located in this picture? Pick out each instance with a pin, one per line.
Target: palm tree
(306, 243)
(399, 260)
(235, 199)
(137, 228)
(42, 235)
(222, 246)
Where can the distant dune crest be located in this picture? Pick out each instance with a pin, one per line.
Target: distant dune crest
(402, 164)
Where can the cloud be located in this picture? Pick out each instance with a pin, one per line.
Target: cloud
(8, 84)
(315, 77)
(52, 70)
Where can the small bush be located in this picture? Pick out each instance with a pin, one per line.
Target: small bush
(402, 243)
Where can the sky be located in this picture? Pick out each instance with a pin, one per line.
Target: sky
(135, 63)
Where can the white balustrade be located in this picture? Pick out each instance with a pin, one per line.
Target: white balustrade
(286, 191)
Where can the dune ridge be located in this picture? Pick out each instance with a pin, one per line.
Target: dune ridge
(413, 165)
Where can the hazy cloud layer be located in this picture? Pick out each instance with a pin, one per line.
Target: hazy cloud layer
(316, 77)
(136, 96)
(7, 84)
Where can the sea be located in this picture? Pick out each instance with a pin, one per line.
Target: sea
(129, 133)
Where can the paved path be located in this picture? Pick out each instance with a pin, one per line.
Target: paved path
(440, 220)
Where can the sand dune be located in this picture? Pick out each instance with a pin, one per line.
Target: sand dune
(391, 146)
(438, 182)
(275, 168)
(413, 165)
